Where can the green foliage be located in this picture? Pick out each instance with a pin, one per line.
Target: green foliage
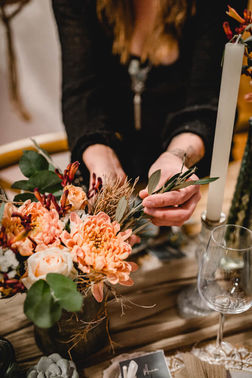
(46, 298)
(177, 181)
(1, 211)
(40, 306)
(153, 181)
(22, 197)
(194, 182)
(180, 181)
(38, 170)
(32, 162)
(45, 181)
(65, 290)
(44, 153)
(23, 185)
(120, 210)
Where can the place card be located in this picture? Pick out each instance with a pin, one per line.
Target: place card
(150, 365)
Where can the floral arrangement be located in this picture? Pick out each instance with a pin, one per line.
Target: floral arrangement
(238, 36)
(58, 242)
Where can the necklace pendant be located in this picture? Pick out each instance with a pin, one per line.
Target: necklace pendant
(138, 77)
(137, 111)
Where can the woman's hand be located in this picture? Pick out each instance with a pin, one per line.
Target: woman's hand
(102, 160)
(175, 207)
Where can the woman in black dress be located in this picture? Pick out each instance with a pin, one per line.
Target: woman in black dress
(140, 89)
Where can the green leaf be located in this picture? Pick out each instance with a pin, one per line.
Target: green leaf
(188, 173)
(45, 154)
(40, 149)
(23, 185)
(22, 197)
(32, 162)
(40, 306)
(53, 189)
(65, 291)
(58, 193)
(195, 182)
(120, 210)
(153, 181)
(1, 211)
(170, 183)
(44, 180)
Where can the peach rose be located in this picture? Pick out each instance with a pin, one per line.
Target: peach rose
(76, 197)
(51, 260)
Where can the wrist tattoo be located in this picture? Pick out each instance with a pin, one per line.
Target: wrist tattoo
(190, 156)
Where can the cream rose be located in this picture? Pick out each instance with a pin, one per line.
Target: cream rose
(51, 260)
(76, 197)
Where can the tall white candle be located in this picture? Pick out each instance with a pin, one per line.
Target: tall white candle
(230, 80)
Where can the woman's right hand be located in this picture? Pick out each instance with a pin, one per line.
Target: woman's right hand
(102, 160)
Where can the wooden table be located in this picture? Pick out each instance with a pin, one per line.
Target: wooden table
(142, 329)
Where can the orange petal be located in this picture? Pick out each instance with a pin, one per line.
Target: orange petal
(232, 13)
(125, 234)
(129, 282)
(133, 265)
(97, 291)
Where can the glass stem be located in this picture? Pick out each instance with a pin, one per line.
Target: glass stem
(220, 330)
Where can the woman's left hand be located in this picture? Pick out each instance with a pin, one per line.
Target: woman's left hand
(175, 207)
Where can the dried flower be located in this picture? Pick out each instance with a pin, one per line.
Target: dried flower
(69, 173)
(96, 186)
(8, 262)
(232, 13)
(227, 30)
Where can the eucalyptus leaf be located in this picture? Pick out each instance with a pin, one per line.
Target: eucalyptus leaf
(120, 210)
(51, 168)
(23, 185)
(58, 193)
(1, 211)
(46, 155)
(153, 181)
(170, 183)
(56, 190)
(44, 180)
(188, 173)
(32, 162)
(65, 291)
(40, 306)
(195, 182)
(22, 197)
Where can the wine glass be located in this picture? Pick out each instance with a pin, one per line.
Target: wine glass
(225, 276)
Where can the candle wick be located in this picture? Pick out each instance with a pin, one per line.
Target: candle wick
(237, 39)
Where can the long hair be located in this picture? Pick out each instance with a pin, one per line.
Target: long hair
(171, 16)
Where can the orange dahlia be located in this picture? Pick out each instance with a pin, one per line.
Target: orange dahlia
(97, 245)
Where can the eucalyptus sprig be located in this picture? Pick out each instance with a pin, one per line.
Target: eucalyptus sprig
(176, 182)
(39, 170)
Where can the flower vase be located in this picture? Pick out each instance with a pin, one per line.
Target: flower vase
(76, 335)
